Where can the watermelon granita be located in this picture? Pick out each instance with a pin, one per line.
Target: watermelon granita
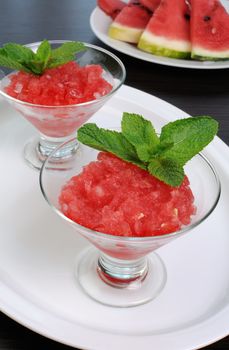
(67, 84)
(116, 197)
(168, 31)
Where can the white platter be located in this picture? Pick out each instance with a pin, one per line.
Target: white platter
(100, 22)
(38, 250)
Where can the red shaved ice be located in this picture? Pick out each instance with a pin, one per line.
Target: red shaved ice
(116, 197)
(67, 84)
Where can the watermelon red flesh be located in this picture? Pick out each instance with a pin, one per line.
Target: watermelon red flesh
(209, 27)
(133, 16)
(171, 20)
(111, 7)
(150, 4)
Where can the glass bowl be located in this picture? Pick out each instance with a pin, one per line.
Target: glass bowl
(125, 271)
(58, 124)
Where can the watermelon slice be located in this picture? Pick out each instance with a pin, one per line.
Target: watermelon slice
(150, 4)
(168, 31)
(209, 30)
(111, 7)
(130, 23)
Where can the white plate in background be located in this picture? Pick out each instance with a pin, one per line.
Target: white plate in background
(100, 22)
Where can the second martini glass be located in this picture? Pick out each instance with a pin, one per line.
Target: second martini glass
(58, 124)
(125, 271)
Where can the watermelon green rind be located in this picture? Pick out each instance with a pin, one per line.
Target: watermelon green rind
(202, 54)
(124, 33)
(163, 50)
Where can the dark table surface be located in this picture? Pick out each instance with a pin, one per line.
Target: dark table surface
(197, 92)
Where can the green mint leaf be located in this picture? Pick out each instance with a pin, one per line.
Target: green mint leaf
(109, 141)
(65, 53)
(3, 52)
(68, 49)
(19, 57)
(187, 137)
(18, 52)
(56, 62)
(167, 170)
(141, 134)
(43, 54)
(34, 67)
(10, 63)
(161, 149)
(39, 63)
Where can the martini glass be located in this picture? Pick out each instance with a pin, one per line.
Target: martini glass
(58, 124)
(125, 271)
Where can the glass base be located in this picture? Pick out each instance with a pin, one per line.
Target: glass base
(135, 293)
(36, 151)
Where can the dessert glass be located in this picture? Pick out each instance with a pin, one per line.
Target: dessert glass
(125, 271)
(58, 124)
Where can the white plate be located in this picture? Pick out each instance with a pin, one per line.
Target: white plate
(38, 250)
(100, 22)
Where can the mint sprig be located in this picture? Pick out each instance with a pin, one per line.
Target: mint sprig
(65, 53)
(138, 143)
(141, 134)
(19, 57)
(167, 170)
(187, 137)
(109, 141)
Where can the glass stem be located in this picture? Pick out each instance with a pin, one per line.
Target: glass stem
(47, 145)
(122, 273)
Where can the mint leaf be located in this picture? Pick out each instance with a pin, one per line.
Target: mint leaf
(3, 52)
(162, 148)
(68, 49)
(19, 53)
(39, 63)
(43, 54)
(10, 63)
(19, 57)
(34, 67)
(109, 141)
(65, 53)
(141, 134)
(56, 62)
(187, 137)
(167, 170)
